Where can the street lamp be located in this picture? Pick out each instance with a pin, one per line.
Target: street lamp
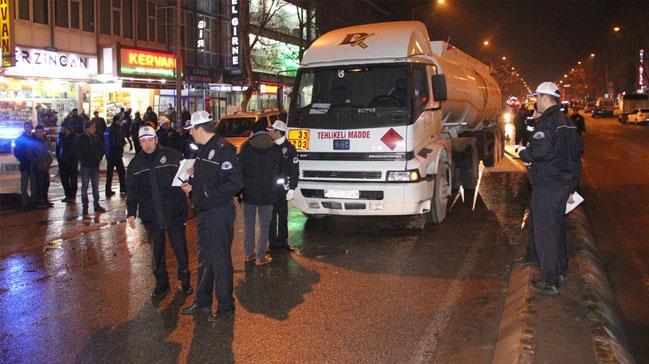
(485, 43)
(592, 55)
(412, 12)
(504, 58)
(616, 29)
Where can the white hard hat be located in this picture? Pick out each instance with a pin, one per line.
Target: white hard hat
(548, 88)
(198, 118)
(146, 132)
(278, 125)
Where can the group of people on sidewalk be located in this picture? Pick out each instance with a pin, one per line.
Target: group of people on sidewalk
(80, 147)
(263, 176)
(553, 155)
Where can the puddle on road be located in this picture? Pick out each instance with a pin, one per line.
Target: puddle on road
(323, 251)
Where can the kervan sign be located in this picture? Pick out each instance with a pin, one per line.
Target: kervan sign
(138, 62)
(34, 62)
(6, 34)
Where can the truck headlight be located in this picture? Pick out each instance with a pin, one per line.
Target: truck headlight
(403, 176)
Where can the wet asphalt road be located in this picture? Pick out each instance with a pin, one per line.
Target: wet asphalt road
(359, 290)
(616, 182)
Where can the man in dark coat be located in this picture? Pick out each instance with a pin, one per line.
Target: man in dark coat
(40, 161)
(114, 149)
(161, 207)
(290, 171)
(66, 155)
(260, 161)
(89, 153)
(100, 124)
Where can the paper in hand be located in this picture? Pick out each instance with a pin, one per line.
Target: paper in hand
(182, 175)
(576, 200)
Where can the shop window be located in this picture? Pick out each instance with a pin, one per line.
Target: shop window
(61, 13)
(23, 10)
(88, 10)
(104, 12)
(128, 18)
(40, 11)
(75, 14)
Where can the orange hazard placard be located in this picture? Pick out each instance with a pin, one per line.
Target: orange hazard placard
(299, 138)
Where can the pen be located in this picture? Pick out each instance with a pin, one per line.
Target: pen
(181, 181)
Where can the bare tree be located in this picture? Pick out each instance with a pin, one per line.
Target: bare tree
(306, 20)
(265, 11)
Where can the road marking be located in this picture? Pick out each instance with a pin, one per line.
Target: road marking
(426, 347)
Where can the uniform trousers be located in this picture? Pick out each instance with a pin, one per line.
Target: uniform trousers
(176, 234)
(215, 232)
(278, 232)
(548, 229)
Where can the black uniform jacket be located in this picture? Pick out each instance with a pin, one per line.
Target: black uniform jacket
(217, 177)
(260, 167)
(151, 196)
(290, 167)
(554, 151)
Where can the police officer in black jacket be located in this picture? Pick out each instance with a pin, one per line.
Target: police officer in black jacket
(290, 171)
(161, 207)
(216, 179)
(554, 157)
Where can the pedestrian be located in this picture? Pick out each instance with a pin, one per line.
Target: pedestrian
(127, 125)
(260, 160)
(40, 161)
(290, 171)
(185, 116)
(172, 115)
(216, 179)
(161, 207)
(100, 124)
(579, 120)
(167, 136)
(114, 149)
(135, 129)
(554, 157)
(74, 121)
(20, 152)
(66, 155)
(89, 153)
(84, 116)
(151, 117)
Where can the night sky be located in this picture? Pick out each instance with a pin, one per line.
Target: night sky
(543, 39)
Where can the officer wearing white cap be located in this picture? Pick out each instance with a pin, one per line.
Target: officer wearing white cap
(278, 234)
(216, 178)
(161, 207)
(554, 156)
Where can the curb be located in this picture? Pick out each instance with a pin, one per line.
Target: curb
(516, 332)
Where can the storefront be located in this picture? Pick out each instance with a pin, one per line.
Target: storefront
(42, 88)
(133, 78)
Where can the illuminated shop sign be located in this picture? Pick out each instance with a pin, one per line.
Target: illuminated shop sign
(268, 89)
(6, 34)
(33, 62)
(200, 42)
(234, 39)
(138, 62)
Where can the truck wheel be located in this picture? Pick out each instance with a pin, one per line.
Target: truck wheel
(439, 204)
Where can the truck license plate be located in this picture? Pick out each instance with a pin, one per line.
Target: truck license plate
(299, 138)
(342, 194)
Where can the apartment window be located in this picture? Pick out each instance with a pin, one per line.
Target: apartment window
(23, 10)
(128, 18)
(75, 14)
(88, 15)
(117, 17)
(141, 20)
(104, 15)
(151, 8)
(40, 11)
(61, 13)
(162, 26)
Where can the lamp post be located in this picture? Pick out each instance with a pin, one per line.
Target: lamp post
(412, 12)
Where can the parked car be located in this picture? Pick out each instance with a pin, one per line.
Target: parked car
(600, 112)
(235, 128)
(638, 116)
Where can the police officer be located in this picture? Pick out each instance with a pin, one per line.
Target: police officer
(161, 207)
(290, 170)
(216, 178)
(554, 155)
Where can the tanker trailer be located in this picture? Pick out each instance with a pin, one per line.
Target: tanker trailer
(377, 113)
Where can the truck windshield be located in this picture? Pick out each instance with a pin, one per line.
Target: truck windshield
(351, 97)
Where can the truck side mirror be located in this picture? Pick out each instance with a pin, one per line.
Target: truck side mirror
(439, 87)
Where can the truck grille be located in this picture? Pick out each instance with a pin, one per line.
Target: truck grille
(342, 174)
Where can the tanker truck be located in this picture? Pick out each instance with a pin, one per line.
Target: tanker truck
(386, 122)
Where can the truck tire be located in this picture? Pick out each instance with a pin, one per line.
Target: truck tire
(439, 204)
